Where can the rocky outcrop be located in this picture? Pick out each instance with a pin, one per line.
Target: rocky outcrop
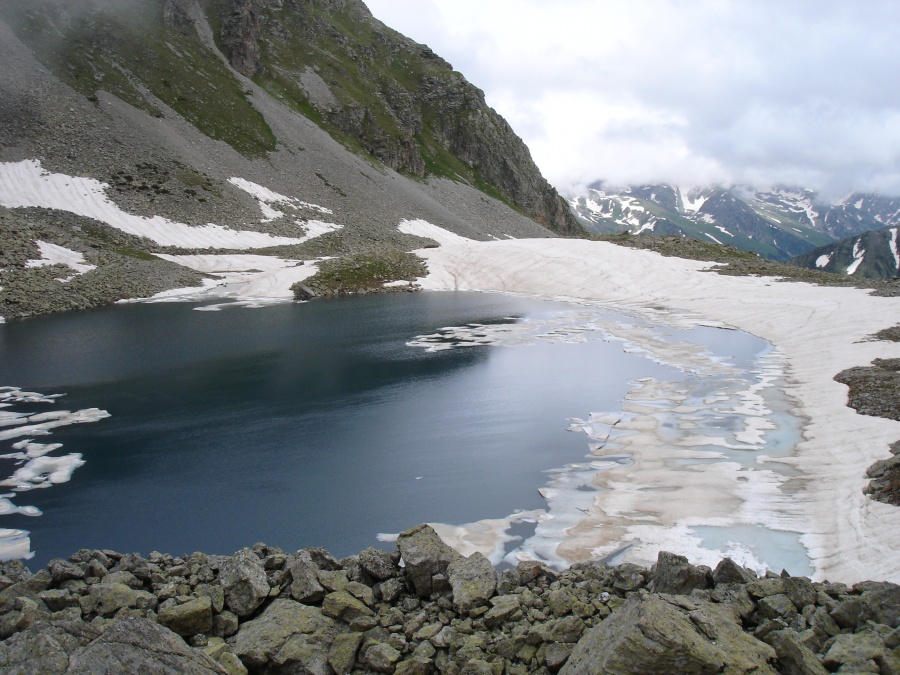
(397, 99)
(425, 609)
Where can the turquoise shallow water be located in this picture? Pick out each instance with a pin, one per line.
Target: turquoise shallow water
(313, 424)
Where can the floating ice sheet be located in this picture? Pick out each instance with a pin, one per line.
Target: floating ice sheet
(710, 451)
(32, 464)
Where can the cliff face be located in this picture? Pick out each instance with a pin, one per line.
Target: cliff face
(384, 94)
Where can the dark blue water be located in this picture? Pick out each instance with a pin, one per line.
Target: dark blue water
(301, 424)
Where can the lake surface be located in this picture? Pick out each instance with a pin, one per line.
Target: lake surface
(315, 424)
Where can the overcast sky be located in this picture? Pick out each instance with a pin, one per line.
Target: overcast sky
(683, 91)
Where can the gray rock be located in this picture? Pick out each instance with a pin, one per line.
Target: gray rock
(43, 648)
(378, 563)
(424, 555)
(414, 666)
(674, 574)
(305, 586)
(287, 635)
(502, 608)
(654, 636)
(473, 581)
(244, 580)
(342, 654)
(795, 657)
(556, 655)
(107, 599)
(777, 606)
(191, 618)
(390, 590)
(341, 605)
(141, 646)
(382, 657)
(729, 572)
(853, 651)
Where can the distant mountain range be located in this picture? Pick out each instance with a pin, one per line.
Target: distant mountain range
(778, 224)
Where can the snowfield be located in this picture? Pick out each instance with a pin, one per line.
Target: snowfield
(819, 330)
(26, 184)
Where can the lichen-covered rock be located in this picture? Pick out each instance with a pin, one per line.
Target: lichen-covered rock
(107, 599)
(655, 636)
(424, 555)
(378, 564)
(473, 581)
(674, 574)
(305, 586)
(190, 618)
(141, 646)
(287, 635)
(794, 656)
(244, 580)
(343, 606)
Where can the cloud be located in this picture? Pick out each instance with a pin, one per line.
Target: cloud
(682, 91)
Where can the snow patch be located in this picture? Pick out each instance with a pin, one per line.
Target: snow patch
(52, 254)
(26, 184)
(422, 228)
(859, 255)
(894, 248)
(823, 260)
(267, 198)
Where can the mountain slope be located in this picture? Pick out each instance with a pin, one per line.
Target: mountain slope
(776, 224)
(870, 255)
(142, 99)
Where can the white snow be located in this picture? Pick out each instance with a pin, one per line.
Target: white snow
(52, 254)
(859, 255)
(691, 205)
(26, 184)
(422, 228)
(712, 237)
(267, 198)
(894, 248)
(723, 230)
(244, 279)
(818, 330)
(823, 260)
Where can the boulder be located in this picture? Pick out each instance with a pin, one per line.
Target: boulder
(729, 572)
(135, 645)
(652, 635)
(287, 635)
(853, 651)
(382, 657)
(244, 580)
(191, 618)
(794, 656)
(107, 599)
(424, 555)
(341, 605)
(44, 648)
(378, 563)
(305, 586)
(342, 654)
(675, 575)
(473, 581)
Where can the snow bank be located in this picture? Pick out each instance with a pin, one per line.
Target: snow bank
(422, 228)
(25, 184)
(819, 331)
(51, 254)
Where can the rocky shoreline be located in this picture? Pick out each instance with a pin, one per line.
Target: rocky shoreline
(424, 608)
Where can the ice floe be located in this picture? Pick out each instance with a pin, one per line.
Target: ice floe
(33, 465)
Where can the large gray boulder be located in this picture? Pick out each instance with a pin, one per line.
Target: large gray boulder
(424, 555)
(653, 635)
(305, 586)
(45, 648)
(244, 579)
(193, 617)
(473, 580)
(135, 645)
(288, 637)
(674, 574)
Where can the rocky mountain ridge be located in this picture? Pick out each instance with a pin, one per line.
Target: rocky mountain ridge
(874, 254)
(424, 608)
(152, 100)
(776, 223)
